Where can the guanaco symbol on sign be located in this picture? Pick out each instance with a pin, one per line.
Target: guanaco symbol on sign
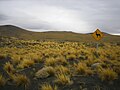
(98, 35)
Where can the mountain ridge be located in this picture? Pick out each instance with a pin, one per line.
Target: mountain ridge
(18, 32)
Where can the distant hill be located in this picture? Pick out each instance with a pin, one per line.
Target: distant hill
(13, 31)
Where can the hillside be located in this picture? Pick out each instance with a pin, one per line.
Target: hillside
(57, 65)
(13, 31)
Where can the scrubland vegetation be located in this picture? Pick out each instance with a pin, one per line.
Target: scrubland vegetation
(51, 65)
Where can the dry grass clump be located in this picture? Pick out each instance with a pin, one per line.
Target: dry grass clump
(107, 74)
(71, 56)
(61, 60)
(61, 69)
(81, 68)
(20, 79)
(8, 67)
(55, 61)
(2, 81)
(50, 62)
(48, 87)
(15, 59)
(36, 57)
(117, 69)
(82, 57)
(26, 63)
(2, 56)
(62, 79)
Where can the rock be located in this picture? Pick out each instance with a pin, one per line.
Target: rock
(84, 89)
(95, 65)
(42, 73)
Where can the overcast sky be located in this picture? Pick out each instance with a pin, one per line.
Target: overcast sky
(81, 16)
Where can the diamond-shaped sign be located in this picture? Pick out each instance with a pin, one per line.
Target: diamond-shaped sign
(97, 35)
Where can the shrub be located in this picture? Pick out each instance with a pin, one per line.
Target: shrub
(48, 87)
(2, 81)
(62, 79)
(108, 75)
(8, 67)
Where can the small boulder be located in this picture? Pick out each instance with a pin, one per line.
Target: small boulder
(95, 65)
(42, 73)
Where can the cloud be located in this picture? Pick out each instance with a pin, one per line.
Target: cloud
(80, 16)
(3, 17)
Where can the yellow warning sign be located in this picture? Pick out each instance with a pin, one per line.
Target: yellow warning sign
(97, 35)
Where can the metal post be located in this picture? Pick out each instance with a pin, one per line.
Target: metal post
(97, 46)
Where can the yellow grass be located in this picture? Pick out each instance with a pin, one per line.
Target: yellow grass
(20, 79)
(48, 87)
(8, 67)
(50, 62)
(108, 75)
(26, 63)
(62, 79)
(61, 69)
(81, 68)
(2, 81)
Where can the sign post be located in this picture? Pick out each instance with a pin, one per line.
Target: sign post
(97, 35)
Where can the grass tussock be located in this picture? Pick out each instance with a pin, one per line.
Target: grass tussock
(25, 63)
(3, 56)
(61, 60)
(62, 79)
(2, 81)
(8, 67)
(20, 79)
(50, 62)
(71, 56)
(16, 59)
(48, 87)
(62, 69)
(82, 69)
(107, 75)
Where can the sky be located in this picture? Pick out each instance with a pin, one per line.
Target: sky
(81, 16)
